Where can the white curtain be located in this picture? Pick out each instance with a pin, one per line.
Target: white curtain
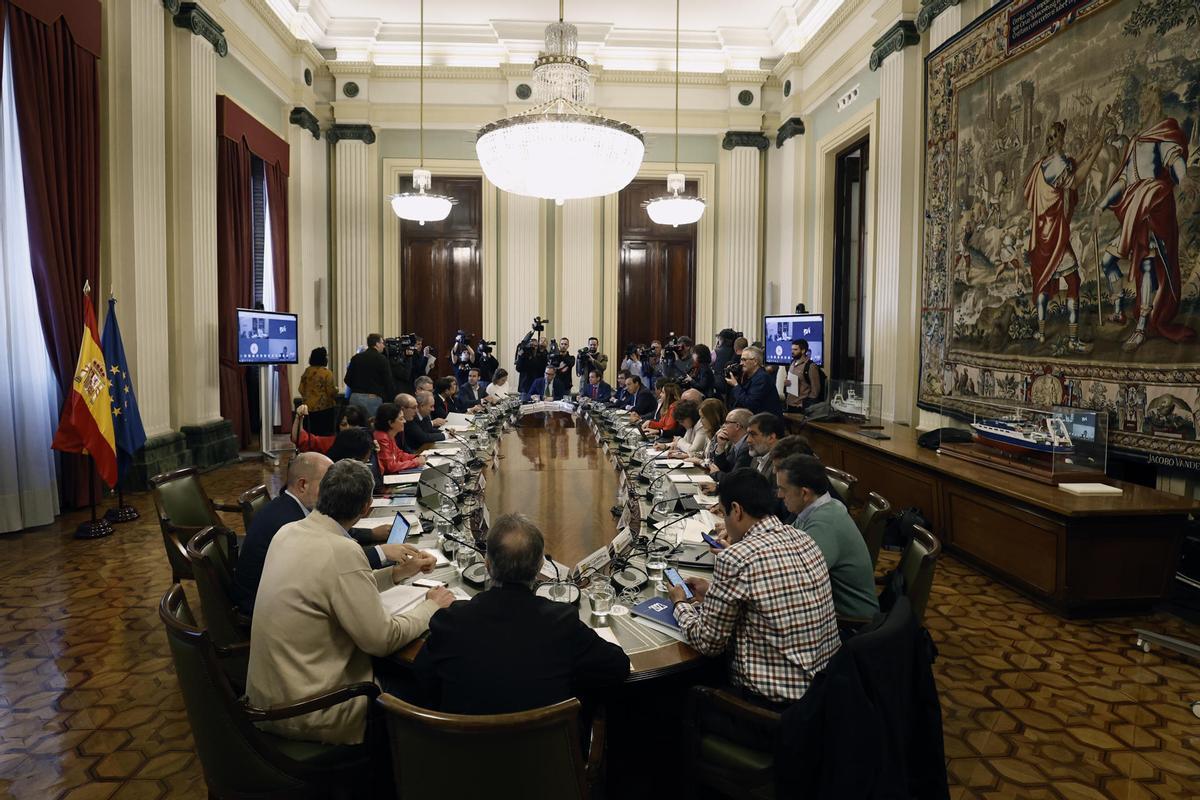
(268, 295)
(28, 389)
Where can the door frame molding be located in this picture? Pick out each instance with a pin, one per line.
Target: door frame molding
(706, 176)
(393, 170)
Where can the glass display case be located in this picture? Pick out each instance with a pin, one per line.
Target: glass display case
(857, 401)
(1059, 444)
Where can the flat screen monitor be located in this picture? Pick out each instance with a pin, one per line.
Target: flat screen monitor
(779, 331)
(266, 337)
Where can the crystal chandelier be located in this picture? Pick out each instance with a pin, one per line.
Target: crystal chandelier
(561, 149)
(419, 206)
(675, 208)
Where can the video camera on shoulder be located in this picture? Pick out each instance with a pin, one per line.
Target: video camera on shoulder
(672, 350)
(484, 347)
(400, 347)
(539, 324)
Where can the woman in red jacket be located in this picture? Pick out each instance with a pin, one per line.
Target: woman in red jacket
(668, 396)
(389, 422)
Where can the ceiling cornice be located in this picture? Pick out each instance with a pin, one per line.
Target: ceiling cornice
(798, 58)
(519, 71)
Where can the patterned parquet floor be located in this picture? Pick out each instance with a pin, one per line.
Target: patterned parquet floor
(1033, 706)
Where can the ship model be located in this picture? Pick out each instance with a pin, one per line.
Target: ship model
(849, 403)
(1045, 437)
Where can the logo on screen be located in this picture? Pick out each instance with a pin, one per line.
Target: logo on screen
(807, 331)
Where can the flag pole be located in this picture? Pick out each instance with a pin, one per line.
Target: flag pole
(97, 528)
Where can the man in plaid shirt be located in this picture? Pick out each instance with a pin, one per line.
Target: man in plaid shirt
(770, 594)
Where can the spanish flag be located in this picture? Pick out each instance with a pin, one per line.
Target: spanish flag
(87, 424)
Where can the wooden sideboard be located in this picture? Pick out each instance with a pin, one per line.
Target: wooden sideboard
(1080, 555)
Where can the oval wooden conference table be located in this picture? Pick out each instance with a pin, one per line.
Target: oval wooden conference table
(552, 468)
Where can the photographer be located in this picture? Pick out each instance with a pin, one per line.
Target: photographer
(589, 358)
(700, 375)
(676, 358)
(724, 351)
(485, 360)
(461, 355)
(531, 357)
(401, 355)
(564, 364)
(632, 363)
(755, 390)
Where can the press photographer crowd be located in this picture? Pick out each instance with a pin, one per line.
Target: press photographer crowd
(683, 392)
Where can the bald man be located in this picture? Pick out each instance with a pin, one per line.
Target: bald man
(423, 428)
(733, 447)
(694, 395)
(294, 503)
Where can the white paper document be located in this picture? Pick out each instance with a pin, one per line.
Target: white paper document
(437, 554)
(402, 598)
(402, 479)
(607, 635)
(393, 502)
(374, 523)
(459, 422)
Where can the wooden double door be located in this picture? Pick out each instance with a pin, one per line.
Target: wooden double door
(657, 271)
(441, 270)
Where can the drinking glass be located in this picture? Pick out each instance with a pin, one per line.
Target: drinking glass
(656, 565)
(463, 558)
(602, 600)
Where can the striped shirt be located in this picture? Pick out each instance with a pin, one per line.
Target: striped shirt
(771, 595)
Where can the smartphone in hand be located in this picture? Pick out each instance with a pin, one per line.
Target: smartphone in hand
(716, 544)
(675, 579)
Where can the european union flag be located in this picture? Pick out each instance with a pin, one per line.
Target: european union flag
(127, 420)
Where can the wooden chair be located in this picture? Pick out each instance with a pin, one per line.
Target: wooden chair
(227, 626)
(872, 522)
(239, 760)
(530, 754)
(252, 502)
(730, 745)
(184, 509)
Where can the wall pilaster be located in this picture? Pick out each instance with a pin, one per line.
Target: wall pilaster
(578, 290)
(357, 297)
(308, 245)
(740, 232)
(522, 267)
(896, 159)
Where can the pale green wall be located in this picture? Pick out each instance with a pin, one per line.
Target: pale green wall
(241, 86)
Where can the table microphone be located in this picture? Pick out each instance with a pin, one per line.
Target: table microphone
(473, 457)
(558, 590)
(460, 483)
(477, 573)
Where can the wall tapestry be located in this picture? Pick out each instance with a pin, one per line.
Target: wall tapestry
(1062, 219)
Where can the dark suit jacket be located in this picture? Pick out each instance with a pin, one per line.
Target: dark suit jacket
(509, 650)
(252, 554)
(420, 432)
(441, 408)
(733, 458)
(470, 399)
(600, 392)
(644, 403)
(538, 387)
(757, 394)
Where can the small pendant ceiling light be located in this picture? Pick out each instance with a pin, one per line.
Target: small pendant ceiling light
(562, 148)
(419, 206)
(675, 208)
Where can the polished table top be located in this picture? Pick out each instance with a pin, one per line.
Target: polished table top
(551, 467)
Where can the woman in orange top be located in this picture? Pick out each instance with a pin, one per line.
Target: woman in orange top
(352, 417)
(389, 422)
(668, 396)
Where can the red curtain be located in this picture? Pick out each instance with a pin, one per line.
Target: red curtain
(56, 83)
(277, 204)
(235, 275)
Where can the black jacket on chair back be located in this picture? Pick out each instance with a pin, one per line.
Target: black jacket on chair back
(870, 725)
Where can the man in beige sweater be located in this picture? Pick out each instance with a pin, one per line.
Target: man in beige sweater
(318, 618)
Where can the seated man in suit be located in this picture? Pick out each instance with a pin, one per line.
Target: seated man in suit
(320, 618)
(472, 393)
(596, 389)
(769, 605)
(804, 487)
(544, 388)
(507, 649)
(620, 397)
(640, 400)
(733, 447)
(423, 429)
(445, 398)
(293, 504)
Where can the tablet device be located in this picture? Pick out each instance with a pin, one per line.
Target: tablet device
(399, 530)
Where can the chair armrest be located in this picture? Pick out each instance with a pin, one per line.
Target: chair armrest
(311, 704)
(595, 759)
(232, 650)
(231, 507)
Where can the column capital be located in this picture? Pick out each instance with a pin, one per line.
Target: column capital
(897, 37)
(191, 16)
(172, 6)
(344, 132)
(305, 119)
(745, 139)
(930, 10)
(793, 127)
